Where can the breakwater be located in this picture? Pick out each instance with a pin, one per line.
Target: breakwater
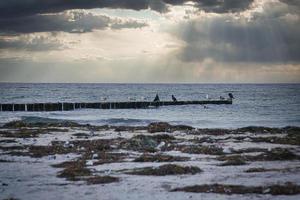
(66, 106)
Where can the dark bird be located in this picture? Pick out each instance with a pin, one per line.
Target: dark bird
(230, 96)
(173, 98)
(156, 99)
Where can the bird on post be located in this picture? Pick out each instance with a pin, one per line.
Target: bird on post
(173, 98)
(156, 99)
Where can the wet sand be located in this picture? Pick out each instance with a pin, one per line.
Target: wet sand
(66, 160)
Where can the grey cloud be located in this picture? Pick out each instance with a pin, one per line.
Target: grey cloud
(69, 21)
(291, 2)
(224, 6)
(270, 36)
(31, 43)
(119, 24)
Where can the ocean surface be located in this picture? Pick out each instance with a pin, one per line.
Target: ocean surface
(272, 105)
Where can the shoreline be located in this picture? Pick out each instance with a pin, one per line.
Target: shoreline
(36, 121)
(156, 161)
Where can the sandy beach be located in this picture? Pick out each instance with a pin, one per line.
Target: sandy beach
(159, 161)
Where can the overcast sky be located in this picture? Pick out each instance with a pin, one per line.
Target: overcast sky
(149, 41)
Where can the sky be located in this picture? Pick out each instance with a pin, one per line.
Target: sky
(150, 41)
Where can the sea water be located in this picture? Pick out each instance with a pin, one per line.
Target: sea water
(272, 105)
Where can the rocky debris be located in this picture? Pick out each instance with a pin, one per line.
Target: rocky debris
(145, 143)
(249, 129)
(5, 161)
(286, 189)
(159, 127)
(41, 123)
(109, 157)
(30, 132)
(163, 170)
(10, 198)
(93, 145)
(12, 148)
(128, 128)
(258, 129)
(291, 138)
(234, 161)
(76, 171)
(205, 139)
(73, 170)
(102, 151)
(23, 133)
(41, 151)
(260, 169)
(101, 180)
(81, 135)
(210, 150)
(277, 154)
(261, 129)
(249, 150)
(88, 147)
(166, 127)
(159, 158)
(272, 155)
(211, 131)
(7, 141)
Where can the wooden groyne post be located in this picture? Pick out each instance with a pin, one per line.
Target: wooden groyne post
(65, 106)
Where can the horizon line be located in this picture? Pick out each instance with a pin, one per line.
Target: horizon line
(153, 83)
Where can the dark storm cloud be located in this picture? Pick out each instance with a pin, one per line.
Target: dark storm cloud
(17, 8)
(71, 21)
(29, 16)
(270, 36)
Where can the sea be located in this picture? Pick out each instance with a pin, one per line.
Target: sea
(271, 105)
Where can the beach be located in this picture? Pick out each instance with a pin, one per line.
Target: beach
(66, 160)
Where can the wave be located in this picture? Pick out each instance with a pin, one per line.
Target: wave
(124, 121)
(35, 119)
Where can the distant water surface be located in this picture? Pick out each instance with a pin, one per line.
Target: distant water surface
(273, 105)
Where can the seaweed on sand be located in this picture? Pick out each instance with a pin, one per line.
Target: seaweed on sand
(211, 150)
(286, 189)
(73, 170)
(159, 158)
(166, 127)
(101, 180)
(146, 143)
(234, 160)
(272, 155)
(163, 170)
